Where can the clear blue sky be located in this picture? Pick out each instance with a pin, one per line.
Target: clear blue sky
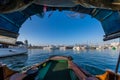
(61, 29)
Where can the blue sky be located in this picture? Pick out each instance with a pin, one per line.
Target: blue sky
(60, 28)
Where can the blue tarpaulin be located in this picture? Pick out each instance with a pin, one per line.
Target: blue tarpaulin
(13, 21)
(10, 23)
(110, 21)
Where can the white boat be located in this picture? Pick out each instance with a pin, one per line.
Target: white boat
(76, 48)
(50, 47)
(62, 48)
(13, 50)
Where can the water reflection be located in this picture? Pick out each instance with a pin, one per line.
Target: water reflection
(79, 51)
(93, 61)
(15, 62)
(92, 69)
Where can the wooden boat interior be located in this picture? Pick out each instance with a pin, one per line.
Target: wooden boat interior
(55, 68)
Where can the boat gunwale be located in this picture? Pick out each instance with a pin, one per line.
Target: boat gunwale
(80, 73)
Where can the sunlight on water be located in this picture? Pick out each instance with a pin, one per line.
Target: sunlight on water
(95, 62)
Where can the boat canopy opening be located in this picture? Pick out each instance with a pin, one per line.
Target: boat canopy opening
(10, 23)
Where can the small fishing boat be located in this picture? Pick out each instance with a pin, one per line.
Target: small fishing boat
(54, 68)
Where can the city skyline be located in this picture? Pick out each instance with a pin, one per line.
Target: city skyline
(59, 28)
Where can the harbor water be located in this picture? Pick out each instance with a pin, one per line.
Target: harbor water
(93, 61)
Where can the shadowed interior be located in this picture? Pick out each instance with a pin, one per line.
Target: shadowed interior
(56, 70)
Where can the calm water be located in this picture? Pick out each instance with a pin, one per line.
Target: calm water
(95, 62)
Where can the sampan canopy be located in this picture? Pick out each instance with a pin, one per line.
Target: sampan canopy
(7, 6)
(10, 23)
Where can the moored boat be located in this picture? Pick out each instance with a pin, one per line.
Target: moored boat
(5, 52)
(54, 68)
(18, 49)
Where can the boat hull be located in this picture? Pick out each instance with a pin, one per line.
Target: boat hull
(5, 52)
(54, 68)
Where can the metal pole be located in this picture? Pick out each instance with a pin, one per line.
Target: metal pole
(117, 66)
(118, 62)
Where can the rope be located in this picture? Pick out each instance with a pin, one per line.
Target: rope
(108, 15)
